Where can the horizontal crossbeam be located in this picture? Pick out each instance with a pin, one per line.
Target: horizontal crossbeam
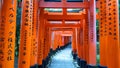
(63, 25)
(61, 29)
(43, 4)
(66, 34)
(64, 17)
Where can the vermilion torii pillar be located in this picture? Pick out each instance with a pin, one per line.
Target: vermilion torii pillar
(109, 33)
(0, 9)
(92, 33)
(7, 33)
(82, 40)
(89, 33)
(41, 37)
(80, 43)
(74, 49)
(113, 46)
(46, 45)
(56, 38)
(25, 34)
(34, 34)
(50, 40)
(54, 43)
(85, 25)
(103, 32)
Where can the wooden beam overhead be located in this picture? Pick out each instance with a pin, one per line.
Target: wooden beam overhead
(61, 29)
(66, 34)
(63, 25)
(43, 4)
(64, 17)
(64, 4)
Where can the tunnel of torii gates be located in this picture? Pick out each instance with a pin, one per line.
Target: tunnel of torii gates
(38, 35)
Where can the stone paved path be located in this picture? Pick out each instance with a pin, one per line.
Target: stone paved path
(62, 59)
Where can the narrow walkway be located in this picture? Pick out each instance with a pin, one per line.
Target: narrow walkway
(62, 59)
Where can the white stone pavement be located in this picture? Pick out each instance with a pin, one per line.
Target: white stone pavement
(62, 59)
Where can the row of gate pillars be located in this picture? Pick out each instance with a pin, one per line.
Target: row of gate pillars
(36, 38)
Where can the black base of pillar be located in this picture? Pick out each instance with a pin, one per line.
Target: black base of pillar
(40, 66)
(78, 61)
(74, 56)
(44, 63)
(91, 66)
(48, 59)
(83, 64)
(34, 66)
(54, 52)
(102, 66)
(62, 48)
(51, 52)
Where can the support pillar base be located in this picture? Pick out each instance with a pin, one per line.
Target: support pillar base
(34, 66)
(102, 66)
(44, 63)
(91, 66)
(40, 66)
(83, 64)
(78, 61)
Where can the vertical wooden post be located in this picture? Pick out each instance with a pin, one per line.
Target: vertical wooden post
(64, 40)
(0, 9)
(79, 42)
(64, 12)
(60, 40)
(53, 37)
(50, 40)
(109, 34)
(103, 33)
(85, 25)
(89, 33)
(57, 39)
(40, 37)
(92, 33)
(45, 40)
(45, 45)
(7, 33)
(54, 41)
(113, 47)
(74, 41)
(25, 35)
(34, 34)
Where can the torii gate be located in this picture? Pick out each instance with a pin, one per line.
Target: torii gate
(33, 39)
(67, 17)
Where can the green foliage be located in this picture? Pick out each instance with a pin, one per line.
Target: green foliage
(18, 31)
(97, 25)
(97, 10)
(19, 0)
